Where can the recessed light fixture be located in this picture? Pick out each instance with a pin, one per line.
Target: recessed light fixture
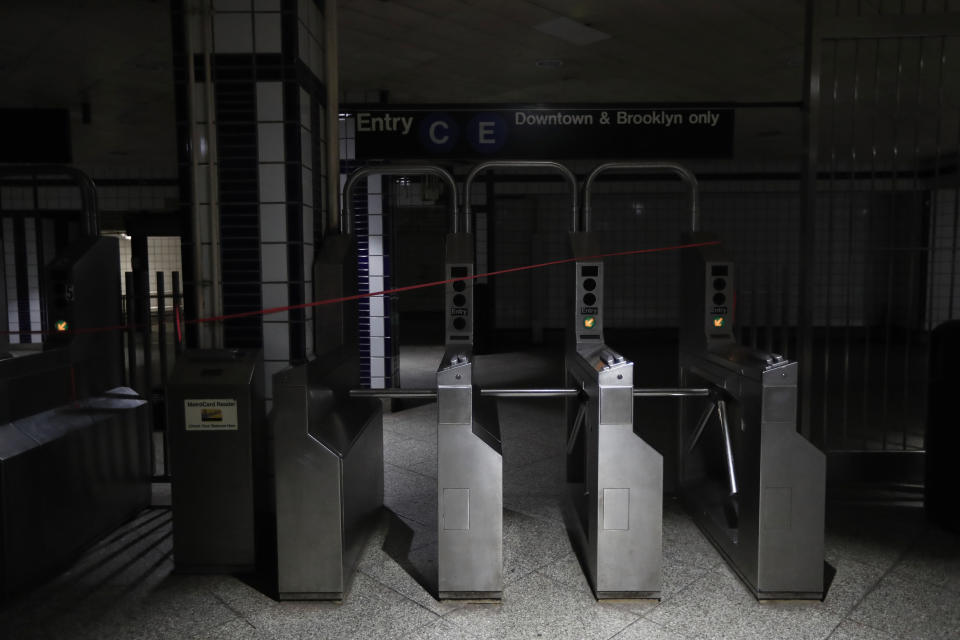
(571, 31)
(550, 63)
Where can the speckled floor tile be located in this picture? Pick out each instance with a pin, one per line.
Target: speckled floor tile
(414, 578)
(645, 630)
(401, 483)
(934, 558)
(538, 607)
(418, 423)
(544, 506)
(852, 581)
(719, 606)
(370, 610)
(403, 451)
(568, 572)
(850, 630)
(442, 630)
(684, 542)
(546, 476)
(530, 543)
(910, 609)
(892, 533)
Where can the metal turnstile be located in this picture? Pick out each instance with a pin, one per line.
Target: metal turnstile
(469, 453)
(215, 416)
(327, 447)
(469, 485)
(615, 479)
(752, 483)
(74, 443)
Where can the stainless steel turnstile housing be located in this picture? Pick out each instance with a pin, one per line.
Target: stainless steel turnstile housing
(328, 469)
(614, 477)
(752, 483)
(469, 485)
(469, 454)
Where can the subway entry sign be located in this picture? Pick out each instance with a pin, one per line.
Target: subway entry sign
(458, 131)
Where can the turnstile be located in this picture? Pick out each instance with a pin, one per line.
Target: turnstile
(615, 479)
(469, 485)
(753, 484)
(327, 448)
(74, 443)
(215, 417)
(469, 454)
(328, 456)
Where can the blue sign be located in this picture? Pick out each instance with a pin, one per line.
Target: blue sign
(487, 132)
(439, 132)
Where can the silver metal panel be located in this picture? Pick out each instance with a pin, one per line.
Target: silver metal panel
(69, 476)
(328, 469)
(615, 481)
(753, 484)
(469, 487)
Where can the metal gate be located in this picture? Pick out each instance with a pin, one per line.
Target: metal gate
(879, 224)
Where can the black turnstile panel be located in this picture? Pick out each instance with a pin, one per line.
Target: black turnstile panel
(215, 419)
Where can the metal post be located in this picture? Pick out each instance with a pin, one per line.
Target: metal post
(131, 333)
(178, 343)
(162, 327)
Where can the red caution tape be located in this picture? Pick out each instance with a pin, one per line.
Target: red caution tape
(262, 312)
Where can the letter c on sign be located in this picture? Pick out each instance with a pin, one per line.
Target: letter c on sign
(438, 132)
(437, 138)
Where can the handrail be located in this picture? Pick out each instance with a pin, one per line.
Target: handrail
(483, 166)
(346, 215)
(685, 174)
(88, 190)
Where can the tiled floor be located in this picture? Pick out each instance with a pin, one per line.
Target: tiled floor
(896, 576)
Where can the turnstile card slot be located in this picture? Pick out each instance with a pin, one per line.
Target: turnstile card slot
(456, 509)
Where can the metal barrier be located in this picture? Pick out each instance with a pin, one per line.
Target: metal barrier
(754, 486)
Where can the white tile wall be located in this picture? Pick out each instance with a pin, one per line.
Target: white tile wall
(233, 32)
(943, 261)
(273, 186)
(269, 101)
(267, 32)
(275, 295)
(273, 222)
(270, 142)
(273, 262)
(276, 340)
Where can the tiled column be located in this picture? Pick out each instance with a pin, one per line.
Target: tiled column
(266, 60)
(378, 362)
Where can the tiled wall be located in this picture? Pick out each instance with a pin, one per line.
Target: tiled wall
(267, 63)
(944, 261)
(29, 242)
(371, 228)
(163, 254)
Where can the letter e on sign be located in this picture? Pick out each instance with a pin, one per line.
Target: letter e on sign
(487, 132)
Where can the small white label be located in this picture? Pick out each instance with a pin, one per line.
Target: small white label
(217, 414)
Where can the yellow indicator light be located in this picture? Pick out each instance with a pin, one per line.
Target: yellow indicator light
(62, 325)
(589, 321)
(718, 321)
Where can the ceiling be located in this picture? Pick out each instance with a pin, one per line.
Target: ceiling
(487, 50)
(115, 56)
